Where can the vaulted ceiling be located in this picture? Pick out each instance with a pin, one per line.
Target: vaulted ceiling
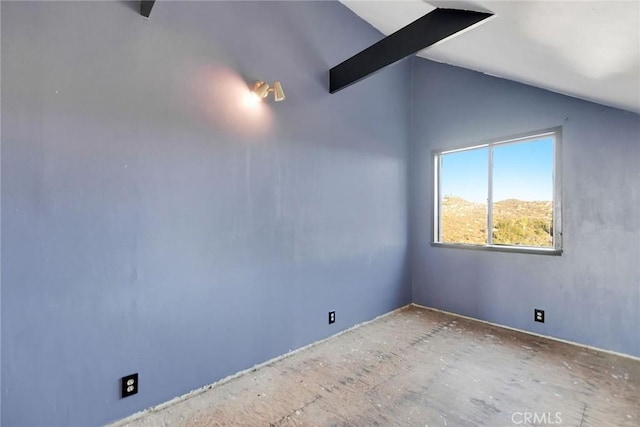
(585, 49)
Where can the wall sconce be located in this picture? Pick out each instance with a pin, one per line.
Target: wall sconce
(261, 90)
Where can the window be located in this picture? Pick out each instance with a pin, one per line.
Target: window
(500, 195)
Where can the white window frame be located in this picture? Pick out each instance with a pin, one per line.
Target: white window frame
(556, 134)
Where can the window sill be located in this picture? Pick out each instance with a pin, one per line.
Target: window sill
(499, 248)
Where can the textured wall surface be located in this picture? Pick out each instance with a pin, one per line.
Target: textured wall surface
(153, 222)
(590, 294)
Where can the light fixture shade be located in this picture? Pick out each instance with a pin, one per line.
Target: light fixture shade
(260, 89)
(278, 92)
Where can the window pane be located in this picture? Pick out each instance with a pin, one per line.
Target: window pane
(523, 193)
(463, 185)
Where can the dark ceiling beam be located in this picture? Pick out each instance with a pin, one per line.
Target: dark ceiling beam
(145, 7)
(421, 33)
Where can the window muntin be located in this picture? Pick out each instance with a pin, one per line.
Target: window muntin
(502, 195)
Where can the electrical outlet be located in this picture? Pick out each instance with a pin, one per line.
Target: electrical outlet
(129, 385)
(332, 317)
(538, 315)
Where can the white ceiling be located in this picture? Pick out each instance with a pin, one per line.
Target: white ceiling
(586, 49)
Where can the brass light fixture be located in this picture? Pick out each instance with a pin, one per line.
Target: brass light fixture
(261, 90)
(278, 92)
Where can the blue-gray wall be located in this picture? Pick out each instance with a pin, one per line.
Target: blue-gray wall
(590, 294)
(151, 223)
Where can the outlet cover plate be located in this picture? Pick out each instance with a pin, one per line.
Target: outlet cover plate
(332, 317)
(538, 315)
(129, 385)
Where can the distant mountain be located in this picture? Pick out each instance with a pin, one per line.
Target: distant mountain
(515, 222)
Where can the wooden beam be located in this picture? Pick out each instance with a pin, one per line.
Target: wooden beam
(145, 7)
(423, 32)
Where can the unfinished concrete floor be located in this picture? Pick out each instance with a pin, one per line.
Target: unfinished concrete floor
(419, 367)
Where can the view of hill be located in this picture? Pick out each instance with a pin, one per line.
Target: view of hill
(515, 222)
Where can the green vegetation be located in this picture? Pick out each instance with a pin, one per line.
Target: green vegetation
(522, 232)
(515, 222)
(463, 221)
